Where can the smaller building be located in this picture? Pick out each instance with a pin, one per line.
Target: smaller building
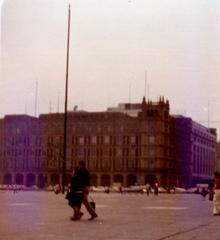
(194, 150)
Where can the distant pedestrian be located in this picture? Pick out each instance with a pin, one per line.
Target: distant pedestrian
(14, 188)
(148, 189)
(216, 199)
(57, 189)
(197, 190)
(107, 190)
(85, 180)
(156, 188)
(204, 192)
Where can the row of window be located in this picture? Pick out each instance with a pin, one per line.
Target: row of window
(54, 164)
(85, 152)
(98, 140)
(99, 152)
(82, 140)
(203, 164)
(25, 164)
(57, 141)
(204, 141)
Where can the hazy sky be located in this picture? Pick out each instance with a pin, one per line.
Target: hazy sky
(113, 43)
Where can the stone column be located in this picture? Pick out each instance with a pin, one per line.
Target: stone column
(140, 179)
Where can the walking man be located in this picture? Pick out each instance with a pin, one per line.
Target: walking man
(85, 180)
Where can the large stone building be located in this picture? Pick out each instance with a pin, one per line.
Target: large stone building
(131, 144)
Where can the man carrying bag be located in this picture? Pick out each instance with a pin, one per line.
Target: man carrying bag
(85, 180)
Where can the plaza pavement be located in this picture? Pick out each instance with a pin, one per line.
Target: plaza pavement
(36, 215)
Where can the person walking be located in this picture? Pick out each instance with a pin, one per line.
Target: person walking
(75, 196)
(85, 178)
(156, 189)
(148, 189)
(211, 190)
(216, 199)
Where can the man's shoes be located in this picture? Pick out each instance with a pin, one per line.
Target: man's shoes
(80, 215)
(93, 217)
(77, 218)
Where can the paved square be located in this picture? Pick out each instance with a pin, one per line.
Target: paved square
(43, 215)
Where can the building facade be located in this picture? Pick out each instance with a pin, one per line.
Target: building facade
(195, 151)
(136, 144)
(217, 164)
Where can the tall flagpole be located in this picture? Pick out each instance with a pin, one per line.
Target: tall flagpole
(65, 112)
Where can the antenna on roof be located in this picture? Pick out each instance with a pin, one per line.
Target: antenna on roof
(129, 96)
(146, 87)
(50, 106)
(25, 108)
(148, 91)
(58, 102)
(145, 83)
(35, 105)
(208, 113)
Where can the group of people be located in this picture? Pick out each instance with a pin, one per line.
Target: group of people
(79, 192)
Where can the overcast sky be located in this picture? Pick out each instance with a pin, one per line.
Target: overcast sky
(113, 43)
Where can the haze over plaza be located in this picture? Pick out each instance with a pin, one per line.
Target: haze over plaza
(113, 44)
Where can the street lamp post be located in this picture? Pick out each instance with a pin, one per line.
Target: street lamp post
(65, 111)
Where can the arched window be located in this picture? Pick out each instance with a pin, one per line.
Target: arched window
(105, 180)
(31, 180)
(118, 178)
(131, 179)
